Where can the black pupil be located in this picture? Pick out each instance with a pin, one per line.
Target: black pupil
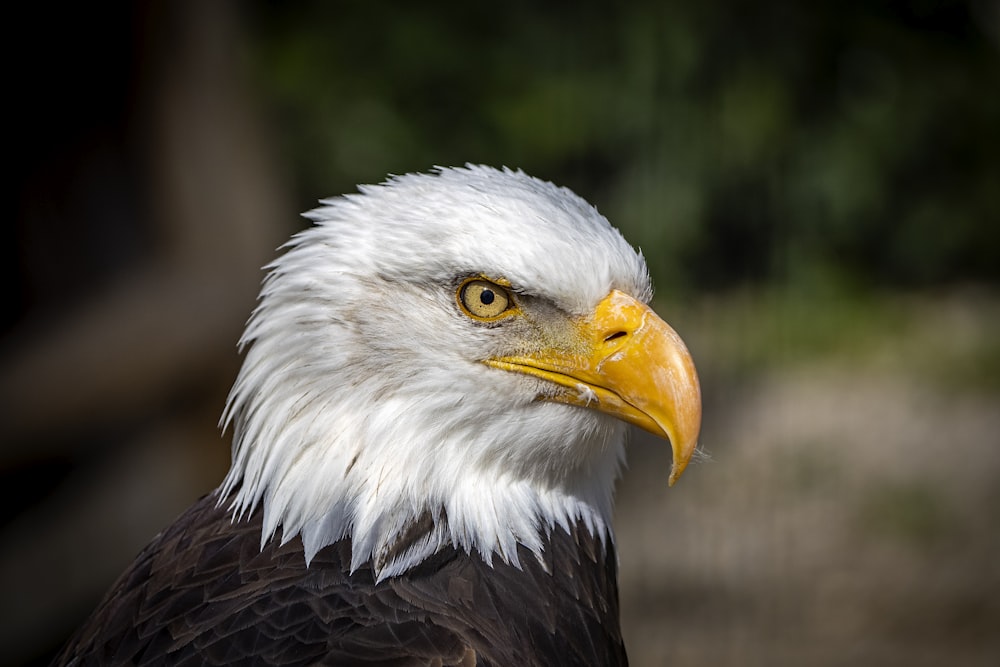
(486, 297)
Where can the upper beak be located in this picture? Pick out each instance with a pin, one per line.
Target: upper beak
(627, 362)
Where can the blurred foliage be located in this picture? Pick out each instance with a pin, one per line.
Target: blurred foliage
(849, 144)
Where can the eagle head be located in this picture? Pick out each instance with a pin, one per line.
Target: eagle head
(460, 351)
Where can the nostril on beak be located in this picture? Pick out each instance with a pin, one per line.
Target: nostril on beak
(614, 336)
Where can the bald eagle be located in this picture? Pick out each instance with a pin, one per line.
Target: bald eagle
(427, 428)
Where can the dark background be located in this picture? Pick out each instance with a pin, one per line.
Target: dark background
(815, 186)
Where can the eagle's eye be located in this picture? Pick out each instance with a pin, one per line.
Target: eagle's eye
(484, 300)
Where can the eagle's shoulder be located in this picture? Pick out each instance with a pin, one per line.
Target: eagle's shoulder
(204, 590)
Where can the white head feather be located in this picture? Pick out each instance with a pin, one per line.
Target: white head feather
(362, 404)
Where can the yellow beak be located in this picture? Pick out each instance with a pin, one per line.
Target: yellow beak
(627, 362)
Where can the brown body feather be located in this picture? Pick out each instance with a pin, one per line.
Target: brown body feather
(204, 592)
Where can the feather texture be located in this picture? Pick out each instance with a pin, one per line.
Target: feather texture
(204, 593)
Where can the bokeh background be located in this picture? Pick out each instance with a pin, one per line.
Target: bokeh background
(816, 187)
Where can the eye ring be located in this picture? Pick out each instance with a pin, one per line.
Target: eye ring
(484, 300)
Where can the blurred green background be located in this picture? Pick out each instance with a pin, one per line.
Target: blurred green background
(816, 189)
(830, 145)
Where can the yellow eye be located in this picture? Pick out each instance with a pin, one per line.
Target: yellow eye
(484, 300)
